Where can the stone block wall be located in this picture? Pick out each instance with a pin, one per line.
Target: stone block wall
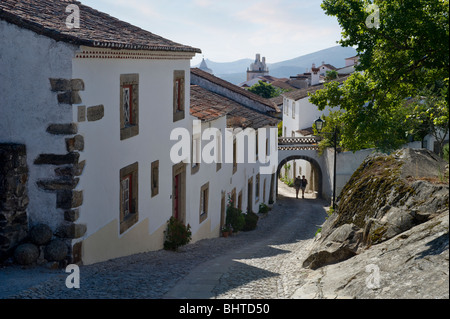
(13, 197)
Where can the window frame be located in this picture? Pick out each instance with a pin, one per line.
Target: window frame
(179, 92)
(131, 128)
(154, 175)
(129, 216)
(204, 202)
(196, 153)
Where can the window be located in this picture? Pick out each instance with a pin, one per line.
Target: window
(204, 199)
(196, 154)
(293, 109)
(127, 101)
(233, 197)
(128, 196)
(219, 151)
(155, 178)
(178, 95)
(257, 148)
(129, 105)
(126, 202)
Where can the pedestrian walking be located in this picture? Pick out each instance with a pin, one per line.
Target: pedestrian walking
(298, 185)
(304, 182)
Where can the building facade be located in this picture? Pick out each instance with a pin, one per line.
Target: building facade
(95, 111)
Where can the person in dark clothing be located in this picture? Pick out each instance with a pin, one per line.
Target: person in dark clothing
(298, 185)
(304, 182)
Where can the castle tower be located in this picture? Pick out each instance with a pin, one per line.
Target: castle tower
(257, 68)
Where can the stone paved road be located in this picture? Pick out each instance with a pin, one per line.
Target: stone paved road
(263, 263)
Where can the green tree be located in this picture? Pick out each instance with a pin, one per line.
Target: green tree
(266, 90)
(331, 75)
(429, 114)
(401, 55)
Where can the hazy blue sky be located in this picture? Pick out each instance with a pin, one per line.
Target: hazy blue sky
(233, 29)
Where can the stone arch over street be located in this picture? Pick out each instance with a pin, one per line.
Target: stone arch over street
(312, 161)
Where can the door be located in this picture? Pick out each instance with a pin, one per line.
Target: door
(179, 192)
(250, 195)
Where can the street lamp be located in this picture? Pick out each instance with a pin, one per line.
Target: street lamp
(319, 126)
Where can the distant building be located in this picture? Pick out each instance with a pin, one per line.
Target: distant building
(204, 67)
(257, 68)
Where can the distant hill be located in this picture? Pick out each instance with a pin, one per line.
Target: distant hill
(235, 72)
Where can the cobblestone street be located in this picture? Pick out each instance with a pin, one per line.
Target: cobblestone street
(263, 263)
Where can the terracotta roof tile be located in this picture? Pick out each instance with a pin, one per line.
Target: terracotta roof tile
(234, 88)
(208, 106)
(97, 29)
(306, 131)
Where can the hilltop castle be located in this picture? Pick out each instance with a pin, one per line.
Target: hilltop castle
(257, 68)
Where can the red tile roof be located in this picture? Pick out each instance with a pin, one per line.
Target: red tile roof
(97, 29)
(306, 131)
(208, 106)
(234, 88)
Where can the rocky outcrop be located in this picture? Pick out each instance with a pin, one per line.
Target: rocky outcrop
(386, 196)
(411, 265)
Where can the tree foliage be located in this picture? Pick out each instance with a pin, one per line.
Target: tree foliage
(266, 90)
(403, 55)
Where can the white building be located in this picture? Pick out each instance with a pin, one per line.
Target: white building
(243, 181)
(299, 115)
(95, 108)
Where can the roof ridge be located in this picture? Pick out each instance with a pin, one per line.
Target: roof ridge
(234, 88)
(45, 17)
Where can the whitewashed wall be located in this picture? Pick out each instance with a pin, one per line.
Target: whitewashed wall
(28, 106)
(306, 114)
(106, 154)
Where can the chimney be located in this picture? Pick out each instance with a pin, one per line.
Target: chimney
(315, 77)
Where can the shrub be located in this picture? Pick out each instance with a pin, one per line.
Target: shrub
(235, 218)
(446, 152)
(251, 220)
(263, 208)
(177, 234)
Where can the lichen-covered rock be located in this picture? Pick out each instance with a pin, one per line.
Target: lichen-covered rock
(26, 254)
(386, 196)
(411, 265)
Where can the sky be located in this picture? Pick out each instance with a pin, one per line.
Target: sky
(231, 30)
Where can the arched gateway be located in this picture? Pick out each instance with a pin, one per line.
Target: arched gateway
(318, 171)
(290, 149)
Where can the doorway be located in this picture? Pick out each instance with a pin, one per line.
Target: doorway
(179, 192)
